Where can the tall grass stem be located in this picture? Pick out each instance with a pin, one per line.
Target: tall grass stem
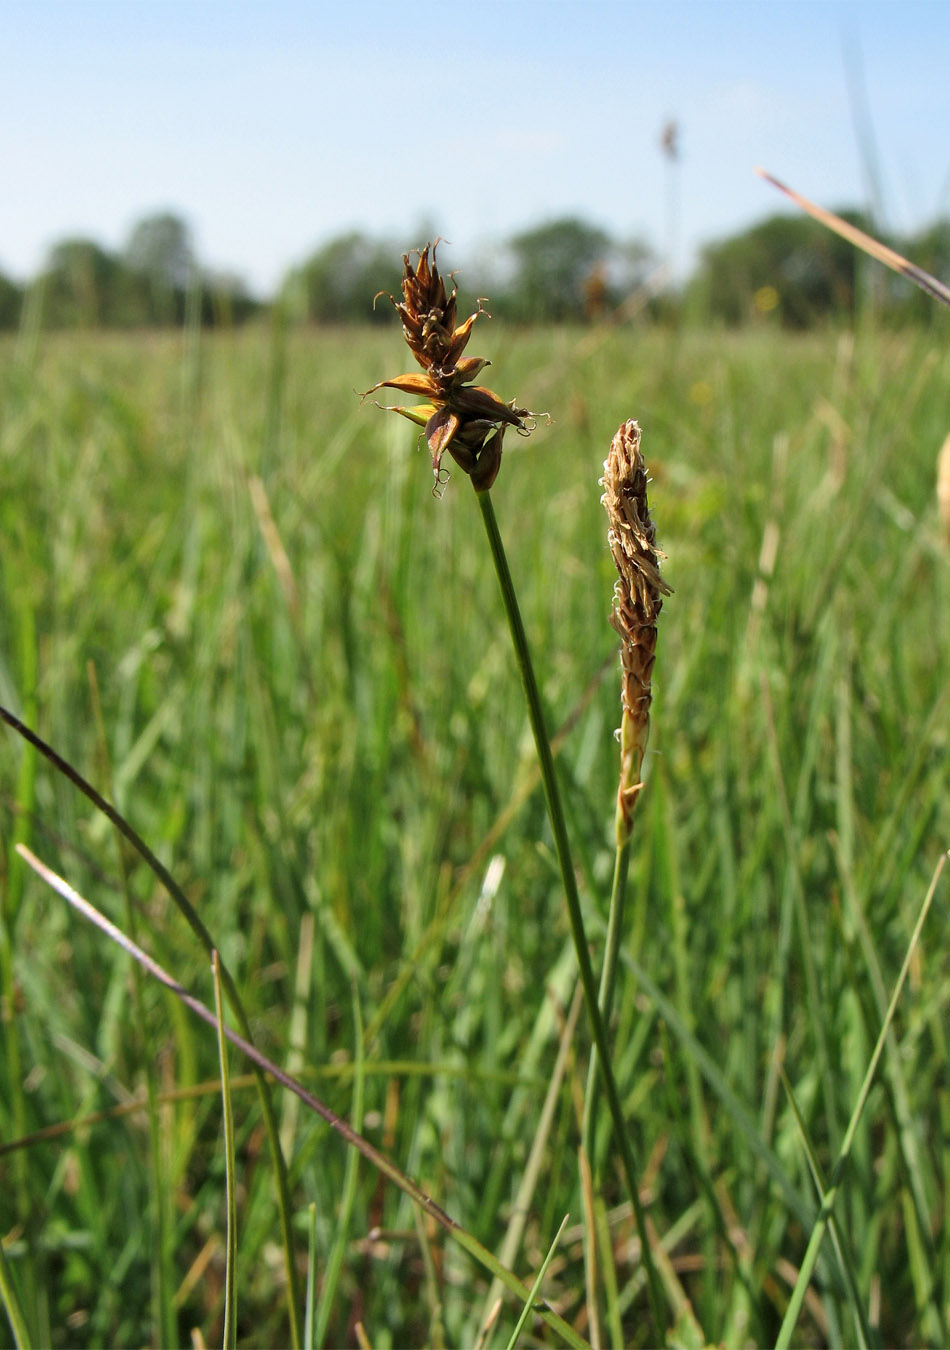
(229, 1335)
(608, 979)
(575, 916)
(164, 1311)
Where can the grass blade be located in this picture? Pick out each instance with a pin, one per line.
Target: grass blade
(818, 1232)
(309, 1321)
(229, 1337)
(342, 1127)
(536, 1287)
(204, 937)
(341, 1228)
(862, 1332)
(11, 1305)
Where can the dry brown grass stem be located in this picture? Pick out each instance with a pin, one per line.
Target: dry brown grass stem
(638, 599)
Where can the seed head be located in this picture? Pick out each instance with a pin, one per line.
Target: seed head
(638, 599)
(467, 420)
(943, 490)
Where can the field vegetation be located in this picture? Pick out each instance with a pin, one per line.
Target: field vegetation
(229, 599)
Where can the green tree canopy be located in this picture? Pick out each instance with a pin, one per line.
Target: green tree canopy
(83, 285)
(79, 285)
(11, 303)
(160, 247)
(929, 249)
(791, 264)
(337, 284)
(552, 265)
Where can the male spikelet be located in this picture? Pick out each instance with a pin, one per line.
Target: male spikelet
(467, 420)
(943, 490)
(638, 599)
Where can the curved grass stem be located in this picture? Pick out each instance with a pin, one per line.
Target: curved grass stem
(575, 916)
(194, 921)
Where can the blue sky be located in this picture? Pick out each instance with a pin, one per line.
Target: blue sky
(273, 126)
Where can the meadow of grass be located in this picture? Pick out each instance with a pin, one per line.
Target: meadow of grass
(228, 597)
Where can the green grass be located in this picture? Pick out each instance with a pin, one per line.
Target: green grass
(319, 755)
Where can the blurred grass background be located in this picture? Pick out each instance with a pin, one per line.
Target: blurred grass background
(312, 715)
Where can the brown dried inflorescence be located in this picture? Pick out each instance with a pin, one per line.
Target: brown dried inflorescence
(638, 599)
(467, 420)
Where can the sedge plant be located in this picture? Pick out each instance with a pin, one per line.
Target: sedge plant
(468, 422)
(638, 599)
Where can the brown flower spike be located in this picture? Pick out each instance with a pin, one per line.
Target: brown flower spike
(467, 420)
(638, 599)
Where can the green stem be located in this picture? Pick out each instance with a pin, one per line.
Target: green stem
(608, 979)
(562, 846)
(165, 1316)
(8, 1296)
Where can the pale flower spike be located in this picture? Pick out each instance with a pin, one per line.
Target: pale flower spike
(638, 599)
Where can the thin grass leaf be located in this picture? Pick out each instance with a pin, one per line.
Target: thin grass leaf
(436, 1336)
(741, 1117)
(536, 1287)
(160, 1250)
(11, 895)
(342, 1127)
(229, 1336)
(818, 1232)
(533, 1171)
(382, 1068)
(609, 1267)
(11, 1306)
(309, 1321)
(862, 1331)
(341, 1226)
(590, 1249)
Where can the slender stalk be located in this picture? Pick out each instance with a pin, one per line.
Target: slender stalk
(536, 1287)
(229, 1335)
(11, 1304)
(166, 1322)
(11, 889)
(608, 978)
(310, 1312)
(575, 916)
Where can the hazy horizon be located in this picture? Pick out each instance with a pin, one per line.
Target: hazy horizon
(271, 130)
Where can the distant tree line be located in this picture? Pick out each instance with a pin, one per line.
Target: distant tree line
(787, 269)
(796, 270)
(150, 283)
(560, 271)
